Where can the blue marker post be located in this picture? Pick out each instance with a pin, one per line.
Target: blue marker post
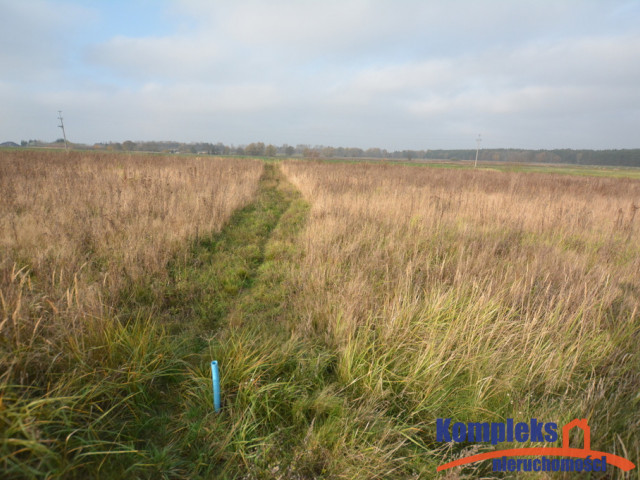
(215, 375)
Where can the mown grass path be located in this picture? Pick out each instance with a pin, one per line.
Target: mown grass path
(222, 268)
(227, 301)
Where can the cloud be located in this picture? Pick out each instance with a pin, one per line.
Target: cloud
(36, 37)
(372, 73)
(208, 99)
(173, 57)
(573, 76)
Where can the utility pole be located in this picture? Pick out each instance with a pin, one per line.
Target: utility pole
(478, 140)
(62, 127)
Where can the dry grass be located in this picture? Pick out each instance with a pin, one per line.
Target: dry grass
(88, 222)
(408, 294)
(476, 294)
(81, 236)
(61, 215)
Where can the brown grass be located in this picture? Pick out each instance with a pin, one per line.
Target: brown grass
(477, 294)
(78, 231)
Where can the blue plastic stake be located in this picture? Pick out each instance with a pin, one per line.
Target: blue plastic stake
(215, 375)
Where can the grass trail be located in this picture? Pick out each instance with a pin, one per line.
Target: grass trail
(286, 411)
(222, 268)
(226, 294)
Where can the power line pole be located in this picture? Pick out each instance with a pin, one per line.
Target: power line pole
(478, 140)
(62, 127)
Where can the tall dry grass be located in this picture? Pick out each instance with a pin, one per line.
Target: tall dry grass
(476, 295)
(81, 235)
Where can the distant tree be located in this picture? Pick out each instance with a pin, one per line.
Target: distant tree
(128, 145)
(289, 150)
(311, 153)
(240, 151)
(23, 143)
(373, 152)
(328, 152)
(256, 149)
(270, 151)
(353, 152)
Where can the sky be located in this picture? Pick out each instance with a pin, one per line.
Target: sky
(394, 74)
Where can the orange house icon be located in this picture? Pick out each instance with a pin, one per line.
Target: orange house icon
(581, 424)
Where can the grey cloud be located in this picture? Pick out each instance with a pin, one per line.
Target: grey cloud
(394, 74)
(36, 37)
(172, 57)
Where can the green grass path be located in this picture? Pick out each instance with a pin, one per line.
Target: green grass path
(286, 412)
(227, 300)
(223, 268)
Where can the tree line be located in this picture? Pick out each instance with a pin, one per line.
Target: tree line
(622, 157)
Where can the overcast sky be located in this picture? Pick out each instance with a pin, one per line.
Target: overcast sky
(393, 74)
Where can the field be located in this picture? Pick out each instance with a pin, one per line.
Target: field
(349, 306)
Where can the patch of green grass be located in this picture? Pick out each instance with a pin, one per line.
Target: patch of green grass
(220, 267)
(590, 171)
(580, 170)
(95, 418)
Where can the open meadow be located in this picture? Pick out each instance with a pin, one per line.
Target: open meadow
(349, 306)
